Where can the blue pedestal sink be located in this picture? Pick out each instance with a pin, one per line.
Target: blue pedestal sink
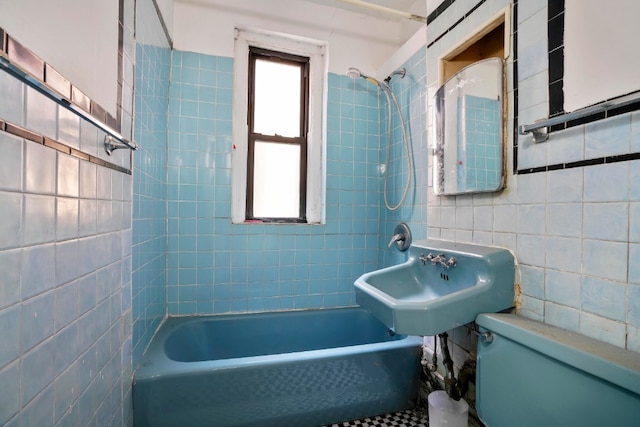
(441, 286)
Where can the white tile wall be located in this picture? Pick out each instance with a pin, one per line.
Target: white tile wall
(574, 232)
(66, 336)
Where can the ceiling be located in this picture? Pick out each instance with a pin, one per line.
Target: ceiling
(415, 7)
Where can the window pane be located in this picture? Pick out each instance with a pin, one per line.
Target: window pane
(277, 99)
(276, 180)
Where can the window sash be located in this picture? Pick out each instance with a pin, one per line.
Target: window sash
(255, 54)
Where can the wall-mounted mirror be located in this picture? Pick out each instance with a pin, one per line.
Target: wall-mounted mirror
(468, 153)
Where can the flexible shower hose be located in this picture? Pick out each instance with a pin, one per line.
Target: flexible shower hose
(386, 89)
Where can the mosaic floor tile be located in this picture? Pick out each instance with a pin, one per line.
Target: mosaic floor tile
(408, 418)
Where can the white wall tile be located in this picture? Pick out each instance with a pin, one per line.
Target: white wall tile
(505, 218)
(567, 146)
(563, 253)
(531, 219)
(531, 250)
(104, 183)
(604, 298)
(608, 137)
(68, 175)
(565, 185)
(11, 224)
(602, 329)
(633, 315)
(68, 128)
(10, 283)
(606, 183)
(606, 221)
(40, 169)
(605, 259)
(39, 219)
(563, 288)
(12, 94)
(88, 185)
(38, 269)
(41, 114)
(10, 161)
(564, 219)
(561, 316)
(66, 218)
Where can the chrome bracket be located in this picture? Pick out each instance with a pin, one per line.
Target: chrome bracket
(110, 145)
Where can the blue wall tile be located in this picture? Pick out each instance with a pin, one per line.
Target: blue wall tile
(224, 267)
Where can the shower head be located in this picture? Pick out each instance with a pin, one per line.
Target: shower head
(399, 72)
(354, 73)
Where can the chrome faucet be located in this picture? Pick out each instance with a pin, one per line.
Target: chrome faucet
(440, 259)
(426, 258)
(396, 238)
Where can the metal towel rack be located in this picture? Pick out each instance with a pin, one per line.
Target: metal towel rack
(25, 77)
(539, 128)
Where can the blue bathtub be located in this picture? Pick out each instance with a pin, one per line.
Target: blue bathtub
(297, 368)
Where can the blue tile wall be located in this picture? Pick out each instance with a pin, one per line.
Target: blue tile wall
(411, 95)
(149, 229)
(217, 267)
(482, 159)
(65, 257)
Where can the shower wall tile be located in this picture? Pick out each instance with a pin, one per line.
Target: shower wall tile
(149, 232)
(215, 266)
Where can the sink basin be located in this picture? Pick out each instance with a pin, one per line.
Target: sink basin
(423, 297)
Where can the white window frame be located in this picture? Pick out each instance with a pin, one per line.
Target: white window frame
(316, 51)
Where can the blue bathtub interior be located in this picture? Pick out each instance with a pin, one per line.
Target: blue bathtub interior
(301, 368)
(533, 374)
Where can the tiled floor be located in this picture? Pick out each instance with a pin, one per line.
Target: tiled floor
(408, 418)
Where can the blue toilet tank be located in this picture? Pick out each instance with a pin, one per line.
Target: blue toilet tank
(533, 374)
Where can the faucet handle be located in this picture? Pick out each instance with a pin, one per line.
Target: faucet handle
(396, 238)
(401, 237)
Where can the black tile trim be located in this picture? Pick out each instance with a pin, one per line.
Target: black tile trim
(29, 135)
(455, 24)
(582, 163)
(20, 55)
(555, 26)
(555, 21)
(3, 41)
(433, 15)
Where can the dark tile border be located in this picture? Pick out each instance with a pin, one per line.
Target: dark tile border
(555, 45)
(455, 24)
(29, 135)
(441, 8)
(23, 57)
(555, 22)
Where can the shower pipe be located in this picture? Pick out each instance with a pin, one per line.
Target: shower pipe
(386, 10)
(354, 73)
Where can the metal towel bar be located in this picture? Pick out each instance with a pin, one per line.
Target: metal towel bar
(539, 128)
(25, 77)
